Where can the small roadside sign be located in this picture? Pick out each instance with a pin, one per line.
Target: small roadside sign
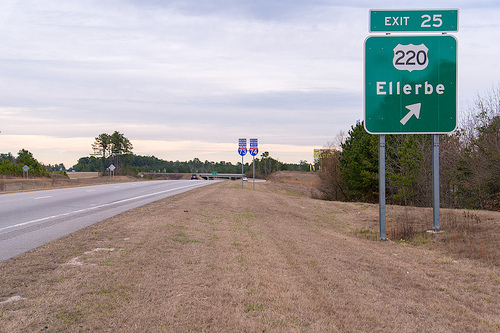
(25, 171)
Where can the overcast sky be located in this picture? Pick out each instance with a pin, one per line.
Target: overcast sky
(187, 78)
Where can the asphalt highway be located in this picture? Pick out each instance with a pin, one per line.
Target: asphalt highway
(31, 219)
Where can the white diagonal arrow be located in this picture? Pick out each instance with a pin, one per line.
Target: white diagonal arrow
(414, 110)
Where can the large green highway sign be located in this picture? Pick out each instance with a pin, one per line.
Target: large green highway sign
(430, 20)
(410, 84)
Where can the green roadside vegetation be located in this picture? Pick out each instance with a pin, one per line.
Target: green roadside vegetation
(469, 164)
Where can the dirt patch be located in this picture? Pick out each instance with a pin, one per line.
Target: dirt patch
(225, 259)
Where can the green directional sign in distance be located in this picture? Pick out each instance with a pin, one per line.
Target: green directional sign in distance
(429, 20)
(410, 84)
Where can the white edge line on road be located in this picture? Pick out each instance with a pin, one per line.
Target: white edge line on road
(45, 197)
(92, 208)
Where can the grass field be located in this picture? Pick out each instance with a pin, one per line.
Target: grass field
(225, 259)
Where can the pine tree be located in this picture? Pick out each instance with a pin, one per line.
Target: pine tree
(359, 164)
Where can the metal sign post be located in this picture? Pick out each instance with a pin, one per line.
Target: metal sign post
(435, 183)
(381, 184)
(253, 171)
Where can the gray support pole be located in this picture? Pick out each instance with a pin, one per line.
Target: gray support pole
(435, 183)
(253, 163)
(241, 172)
(381, 186)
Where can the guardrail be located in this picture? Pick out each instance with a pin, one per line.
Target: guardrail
(232, 176)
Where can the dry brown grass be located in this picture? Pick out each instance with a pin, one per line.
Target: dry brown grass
(57, 181)
(226, 259)
(465, 234)
(82, 175)
(299, 178)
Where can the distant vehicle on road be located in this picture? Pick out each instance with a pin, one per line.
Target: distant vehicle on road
(194, 176)
(245, 179)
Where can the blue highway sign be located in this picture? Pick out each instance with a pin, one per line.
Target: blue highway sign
(242, 147)
(254, 147)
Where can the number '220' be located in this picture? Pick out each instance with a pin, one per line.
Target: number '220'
(411, 56)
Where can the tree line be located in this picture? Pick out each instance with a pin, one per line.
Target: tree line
(116, 149)
(469, 163)
(11, 166)
(132, 164)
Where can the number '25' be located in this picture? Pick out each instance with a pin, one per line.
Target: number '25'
(436, 21)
